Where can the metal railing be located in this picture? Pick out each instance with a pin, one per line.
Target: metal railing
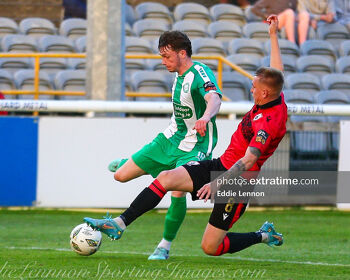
(37, 92)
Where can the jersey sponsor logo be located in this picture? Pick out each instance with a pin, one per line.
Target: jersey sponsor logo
(209, 86)
(186, 87)
(191, 163)
(182, 112)
(258, 116)
(261, 136)
(225, 216)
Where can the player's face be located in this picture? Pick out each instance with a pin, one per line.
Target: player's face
(258, 91)
(170, 59)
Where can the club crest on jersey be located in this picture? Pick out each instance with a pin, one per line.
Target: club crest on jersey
(261, 136)
(186, 87)
(190, 163)
(258, 116)
(209, 86)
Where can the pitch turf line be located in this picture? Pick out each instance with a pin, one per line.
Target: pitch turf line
(178, 255)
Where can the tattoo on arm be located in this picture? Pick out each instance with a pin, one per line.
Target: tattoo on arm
(255, 151)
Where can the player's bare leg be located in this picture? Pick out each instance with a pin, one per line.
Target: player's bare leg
(128, 171)
(212, 238)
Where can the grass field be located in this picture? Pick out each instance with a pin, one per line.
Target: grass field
(34, 244)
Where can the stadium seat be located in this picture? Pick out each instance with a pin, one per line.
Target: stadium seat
(211, 63)
(331, 97)
(192, 11)
(73, 27)
(207, 46)
(257, 30)
(150, 81)
(318, 47)
(6, 81)
(128, 30)
(309, 144)
(13, 64)
(335, 33)
(52, 65)
(224, 31)
(193, 29)
(156, 65)
(76, 63)
(246, 46)
(70, 80)
(289, 64)
(303, 81)
(7, 26)
(343, 65)
(245, 61)
(153, 10)
(56, 44)
(235, 86)
(344, 49)
(19, 43)
(80, 44)
(137, 45)
(228, 12)
(287, 48)
(297, 96)
(337, 81)
(24, 80)
(130, 14)
(132, 64)
(315, 64)
(37, 27)
(128, 84)
(149, 28)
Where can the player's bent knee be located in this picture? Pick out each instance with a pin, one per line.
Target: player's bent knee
(209, 249)
(289, 13)
(120, 177)
(166, 178)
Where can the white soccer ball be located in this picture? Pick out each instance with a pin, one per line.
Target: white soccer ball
(84, 240)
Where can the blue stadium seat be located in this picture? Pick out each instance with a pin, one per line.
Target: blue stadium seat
(315, 64)
(235, 86)
(19, 43)
(335, 33)
(52, 65)
(331, 97)
(287, 48)
(192, 28)
(343, 65)
(192, 11)
(37, 27)
(306, 82)
(128, 30)
(297, 96)
(289, 64)
(153, 10)
(224, 31)
(76, 63)
(56, 44)
(228, 12)
(150, 28)
(156, 65)
(134, 64)
(337, 81)
(7, 26)
(245, 61)
(208, 46)
(13, 64)
(70, 80)
(318, 47)
(73, 27)
(246, 46)
(344, 49)
(130, 15)
(137, 45)
(6, 81)
(257, 30)
(80, 44)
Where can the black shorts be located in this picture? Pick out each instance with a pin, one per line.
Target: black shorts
(224, 215)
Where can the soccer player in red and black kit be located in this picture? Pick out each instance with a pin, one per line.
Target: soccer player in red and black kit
(254, 141)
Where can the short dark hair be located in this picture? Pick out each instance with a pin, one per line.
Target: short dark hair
(176, 40)
(271, 77)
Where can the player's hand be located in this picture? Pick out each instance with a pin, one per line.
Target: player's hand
(204, 192)
(201, 125)
(272, 20)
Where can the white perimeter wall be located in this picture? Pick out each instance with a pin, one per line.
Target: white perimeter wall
(74, 154)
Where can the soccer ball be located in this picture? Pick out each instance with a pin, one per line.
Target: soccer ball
(84, 240)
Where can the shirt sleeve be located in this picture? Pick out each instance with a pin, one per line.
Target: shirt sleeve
(263, 135)
(207, 84)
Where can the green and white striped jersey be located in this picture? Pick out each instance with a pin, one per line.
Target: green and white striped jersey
(189, 105)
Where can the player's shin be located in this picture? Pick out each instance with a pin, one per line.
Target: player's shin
(234, 242)
(145, 201)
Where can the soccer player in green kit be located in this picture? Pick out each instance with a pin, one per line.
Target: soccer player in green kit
(191, 135)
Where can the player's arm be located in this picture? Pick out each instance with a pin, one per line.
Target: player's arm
(213, 106)
(244, 164)
(275, 55)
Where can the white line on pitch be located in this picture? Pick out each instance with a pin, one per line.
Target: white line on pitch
(178, 255)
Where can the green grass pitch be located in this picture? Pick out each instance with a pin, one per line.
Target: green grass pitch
(34, 244)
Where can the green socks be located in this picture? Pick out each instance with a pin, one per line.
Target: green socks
(174, 217)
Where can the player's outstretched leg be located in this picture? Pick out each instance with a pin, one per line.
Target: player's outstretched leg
(106, 225)
(269, 235)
